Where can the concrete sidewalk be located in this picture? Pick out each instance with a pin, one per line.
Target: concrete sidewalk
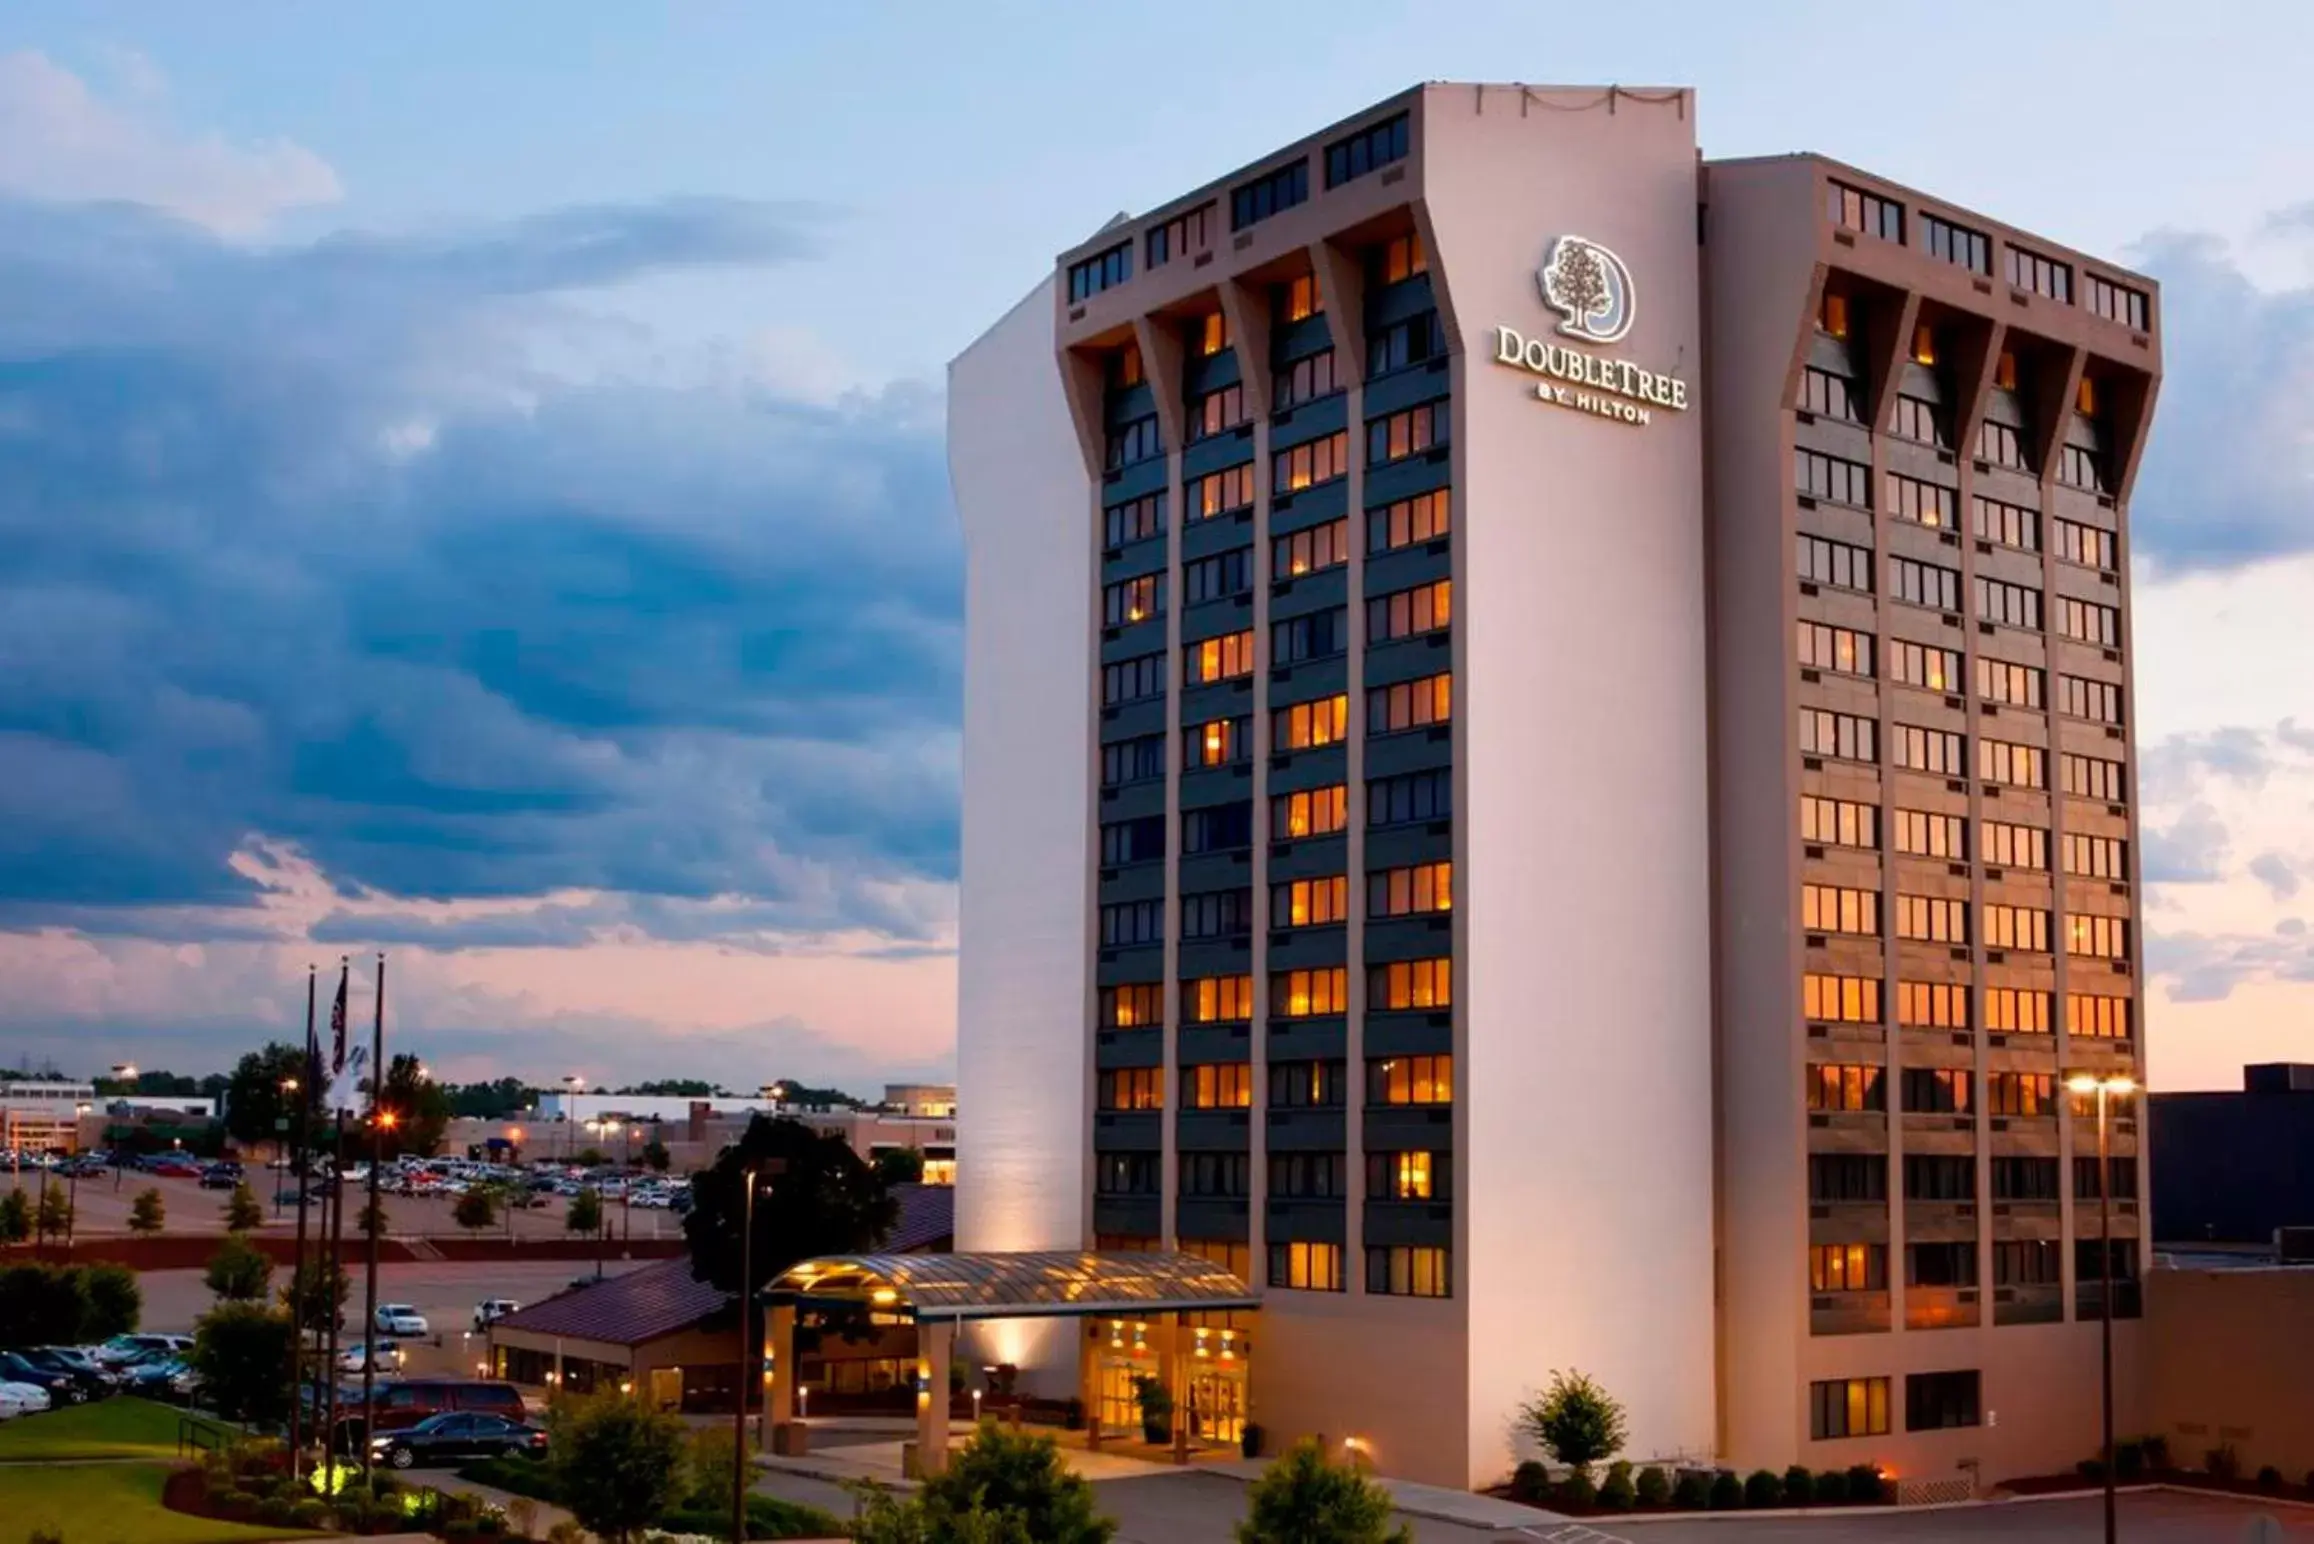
(1436, 1502)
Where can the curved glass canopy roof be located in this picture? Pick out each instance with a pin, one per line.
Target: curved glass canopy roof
(1063, 1283)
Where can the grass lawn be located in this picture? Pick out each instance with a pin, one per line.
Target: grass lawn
(107, 1428)
(105, 1503)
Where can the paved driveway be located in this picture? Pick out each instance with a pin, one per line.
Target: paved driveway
(2152, 1517)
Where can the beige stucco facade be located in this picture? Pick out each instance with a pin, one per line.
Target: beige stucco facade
(2229, 1362)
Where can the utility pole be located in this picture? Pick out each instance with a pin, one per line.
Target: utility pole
(380, 1119)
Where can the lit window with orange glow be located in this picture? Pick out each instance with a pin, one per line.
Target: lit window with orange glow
(1411, 984)
(1137, 1005)
(1219, 659)
(1410, 1080)
(2005, 371)
(1303, 994)
(1832, 315)
(1315, 812)
(1402, 257)
(1308, 724)
(1924, 344)
(2085, 400)
(1217, 999)
(1410, 891)
(1306, 552)
(1218, 1086)
(1302, 299)
(1310, 902)
(1125, 367)
(1212, 333)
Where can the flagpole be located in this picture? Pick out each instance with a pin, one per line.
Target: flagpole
(299, 1092)
(370, 1212)
(333, 1219)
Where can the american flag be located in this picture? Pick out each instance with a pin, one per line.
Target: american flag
(337, 1021)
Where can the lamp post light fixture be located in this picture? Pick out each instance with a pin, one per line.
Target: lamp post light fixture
(125, 1073)
(2105, 1087)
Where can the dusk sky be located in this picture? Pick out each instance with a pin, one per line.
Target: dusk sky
(471, 478)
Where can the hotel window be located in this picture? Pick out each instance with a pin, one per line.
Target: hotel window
(1958, 245)
(1311, 551)
(1841, 649)
(1943, 1264)
(1835, 563)
(1411, 891)
(1218, 1086)
(2088, 545)
(2089, 622)
(1217, 913)
(1133, 841)
(1126, 1174)
(1926, 835)
(1218, 827)
(2005, 371)
(1840, 999)
(1137, 440)
(1209, 334)
(2016, 685)
(1410, 1080)
(1400, 345)
(2080, 466)
(1101, 271)
(1309, 994)
(1306, 1267)
(1407, 1270)
(2012, 766)
(2011, 525)
(2122, 1254)
(1216, 411)
(1297, 300)
(1140, 759)
(2028, 1262)
(1309, 902)
(2007, 846)
(1413, 1176)
(2079, 697)
(1306, 380)
(2001, 445)
(1936, 751)
(1217, 493)
(1929, 919)
(1936, 1090)
(1227, 1175)
(1401, 257)
(1306, 1085)
(1314, 812)
(1851, 1087)
(1410, 704)
(2011, 1010)
(2092, 777)
(1848, 1267)
(2009, 605)
(1217, 1000)
(1939, 1177)
(1186, 233)
(1836, 909)
(1234, 1256)
(1136, 521)
(1850, 1177)
(1931, 1004)
(1839, 822)
(1370, 149)
(1848, 1407)
(1217, 742)
(1220, 577)
(1856, 210)
(1419, 519)
(1250, 203)
(1306, 725)
(1410, 797)
(1830, 478)
(2097, 938)
(2024, 1179)
(1319, 635)
(1845, 736)
(1919, 419)
(1410, 984)
(2118, 302)
(1305, 466)
(1131, 680)
(2042, 275)
(2094, 1017)
(1924, 584)
(1923, 665)
(1926, 503)
(1832, 315)
(1217, 659)
(2120, 1178)
(1125, 367)
(1307, 1176)
(1140, 1005)
(2097, 857)
(1406, 434)
(1133, 1088)
(1828, 395)
(2017, 927)
(1425, 608)
(1130, 924)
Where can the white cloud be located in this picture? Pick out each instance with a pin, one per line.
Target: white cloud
(60, 140)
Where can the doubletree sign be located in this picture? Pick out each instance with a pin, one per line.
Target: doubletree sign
(1591, 289)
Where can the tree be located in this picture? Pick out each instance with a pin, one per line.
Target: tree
(900, 1165)
(421, 1105)
(591, 1158)
(54, 1215)
(476, 1209)
(241, 1354)
(41, 1305)
(147, 1212)
(316, 1293)
(617, 1463)
(585, 1214)
(15, 1217)
(488, 1101)
(254, 1098)
(674, 1088)
(371, 1221)
(242, 1212)
(655, 1156)
(238, 1272)
(114, 1301)
(814, 1196)
(1576, 1421)
(1021, 1477)
(1304, 1498)
(1576, 281)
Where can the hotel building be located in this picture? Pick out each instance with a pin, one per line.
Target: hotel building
(1545, 779)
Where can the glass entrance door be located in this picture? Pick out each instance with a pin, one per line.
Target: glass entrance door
(1217, 1404)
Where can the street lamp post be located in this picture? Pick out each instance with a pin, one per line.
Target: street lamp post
(126, 1072)
(2103, 1088)
(573, 1086)
(750, 1355)
(72, 1182)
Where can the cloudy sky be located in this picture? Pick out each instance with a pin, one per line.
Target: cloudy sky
(471, 481)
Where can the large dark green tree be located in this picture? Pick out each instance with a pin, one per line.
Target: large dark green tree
(814, 1196)
(241, 1352)
(254, 1098)
(317, 1292)
(422, 1108)
(238, 1272)
(1304, 1498)
(617, 1463)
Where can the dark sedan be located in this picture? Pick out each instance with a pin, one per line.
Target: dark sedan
(63, 1387)
(455, 1436)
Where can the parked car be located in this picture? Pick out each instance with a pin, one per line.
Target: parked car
(221, 1176)
(443, 1439)
(400, 1319)
(21, 1399)
(152, 1376)
(123, 1349)
(63, 1388)
(403, 1405)
(492, 1309)
(386, 1354)
(72, 1360)
(175, 1166)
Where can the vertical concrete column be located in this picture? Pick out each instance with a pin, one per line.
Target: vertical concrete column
(934, 1342)
(1180, 1381)
(781, 1410)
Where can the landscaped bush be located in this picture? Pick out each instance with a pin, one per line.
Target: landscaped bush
(2269, 1478)
(1763, 1489)
(1693, 1492)
(1577, 1490)
(1799, 1486)
(277, 1511)
(1727, 1492)
(2222, 1462)
(2156, 1452)
(1653, 1486)
(233, 1503)
(1530, 1481)
(2128, 1460)
(1865, 1486)
(1618, 1494)
(312, 1512)
(1831, 1487)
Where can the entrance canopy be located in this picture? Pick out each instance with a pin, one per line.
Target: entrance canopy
(1049, 1283)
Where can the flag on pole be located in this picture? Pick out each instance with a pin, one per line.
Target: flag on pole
(337, 1021)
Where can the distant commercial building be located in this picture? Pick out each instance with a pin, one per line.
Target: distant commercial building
(2235, 1166)
(44, 1116)
(2229, 1362)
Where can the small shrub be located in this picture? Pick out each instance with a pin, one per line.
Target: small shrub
(2308, 1482)
(1619, 1494)
(459, 1529)
(2222, 1462)
(1653, 1486)
(1693, 1492)
(1763, 1489)
(1865, 1486)
(566, 1532)
(2269, 1478)
(312, 1512)
(233, 1502)
(1727, 1492)
(277, 1512)
(2156, 1452)
(1799, 1486)
(1530, 1481)
(1578, 1490)
(43, 1534)
(2090, 1469)
(2128, 1460)
(1831, 1487)
(522, 1515)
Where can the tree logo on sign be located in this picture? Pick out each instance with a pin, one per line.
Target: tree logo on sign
(1590, 288)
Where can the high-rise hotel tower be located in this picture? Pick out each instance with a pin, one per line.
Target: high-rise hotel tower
(1547, 779)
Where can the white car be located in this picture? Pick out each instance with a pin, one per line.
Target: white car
(400, 1319)
(21, 1399)
(492, 1309)
(124, 1348)
(387, 1352)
